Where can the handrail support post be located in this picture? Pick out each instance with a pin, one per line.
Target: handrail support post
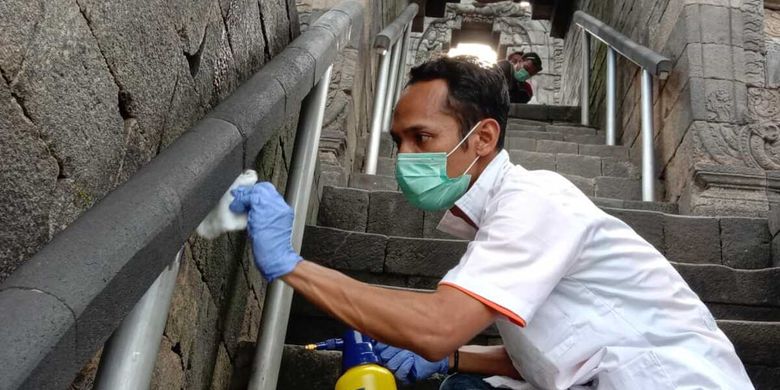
(129, 355)
(648, 156)
(611, 99)
(276, 310)
(374, 136)
(584, 87)
(395, 62)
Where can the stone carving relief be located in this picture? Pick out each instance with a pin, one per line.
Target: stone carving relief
(718, 105)
(434, 40)
(764, 104)
(772, 23)
(755, 145)
(436, 36)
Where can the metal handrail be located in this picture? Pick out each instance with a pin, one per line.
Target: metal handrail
(651, 64)
(62, 304)
(392, 43)
(643, 56)
(390, 34)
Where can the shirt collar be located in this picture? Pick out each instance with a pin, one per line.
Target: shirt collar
(472, 203)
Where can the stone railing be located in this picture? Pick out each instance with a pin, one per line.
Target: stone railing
(59, 307)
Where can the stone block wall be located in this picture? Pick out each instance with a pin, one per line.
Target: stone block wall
(714, 114)
(93, 90)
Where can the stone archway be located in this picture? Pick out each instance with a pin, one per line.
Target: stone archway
(514, 29)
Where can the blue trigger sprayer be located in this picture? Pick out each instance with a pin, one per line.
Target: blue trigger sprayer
(359, 364)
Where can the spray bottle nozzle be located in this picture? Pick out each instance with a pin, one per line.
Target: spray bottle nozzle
(336, 344)
(358, 348)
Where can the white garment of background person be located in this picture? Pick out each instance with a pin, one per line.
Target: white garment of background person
(584, 300)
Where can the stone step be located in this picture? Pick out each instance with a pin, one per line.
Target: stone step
(562, 158)
(545, 113)
(372, 182)
(737, 242)
(554, 146)
(513, 128)
(697, 258)
(576, 164)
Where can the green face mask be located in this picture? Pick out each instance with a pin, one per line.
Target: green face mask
(522, 75)
(424, 182)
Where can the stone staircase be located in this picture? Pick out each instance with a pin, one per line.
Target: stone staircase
(369, 231)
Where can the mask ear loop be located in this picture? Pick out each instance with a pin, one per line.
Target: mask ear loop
(464, 139)
(471, 166)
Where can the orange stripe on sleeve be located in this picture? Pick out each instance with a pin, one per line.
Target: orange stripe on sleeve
(516, 319)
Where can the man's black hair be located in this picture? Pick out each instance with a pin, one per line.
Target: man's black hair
(534, 59)
(475, 90)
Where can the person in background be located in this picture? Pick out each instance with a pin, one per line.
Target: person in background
(518, 68)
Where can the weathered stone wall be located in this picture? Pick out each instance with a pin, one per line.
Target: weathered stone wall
(93, 90)
(715, 117)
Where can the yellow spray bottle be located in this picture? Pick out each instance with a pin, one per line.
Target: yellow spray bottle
(360, 365)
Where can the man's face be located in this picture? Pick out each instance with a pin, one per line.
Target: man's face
(528, 65)
(421, 124)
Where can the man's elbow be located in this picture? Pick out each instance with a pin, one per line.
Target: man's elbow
(437, 344)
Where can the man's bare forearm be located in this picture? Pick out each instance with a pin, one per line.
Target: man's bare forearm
(485, 360)
(420, 321)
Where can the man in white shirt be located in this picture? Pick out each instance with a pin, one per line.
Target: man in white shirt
(580, 300)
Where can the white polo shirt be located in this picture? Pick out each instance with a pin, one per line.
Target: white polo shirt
(584, 300)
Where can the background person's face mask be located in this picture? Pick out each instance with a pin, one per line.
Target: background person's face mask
(522, 75)
(424, 182)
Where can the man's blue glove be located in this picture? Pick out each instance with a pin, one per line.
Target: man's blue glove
(407, 366)
(270, 228)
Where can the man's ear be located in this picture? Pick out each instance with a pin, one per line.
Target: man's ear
(487, 136)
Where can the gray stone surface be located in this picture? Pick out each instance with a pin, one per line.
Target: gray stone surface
(344, 250)
(39, 334)
(763, 377)
(422, 257)
(344, 208)
(535, 135)
(619, 168)
(755, 342)
(584, 139)
(372, 182)
(573, 164)
(385, 166)
(721, 284)
(618, 187)
(587, 186)
(571, 130)
(649, 225)
(545, 112)
(305, 370)
(390, 214)
(549, 146)
(533, 160)
(618, 152)
(744, 312)
(745, 242)
(692, 239)
(520, 143)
